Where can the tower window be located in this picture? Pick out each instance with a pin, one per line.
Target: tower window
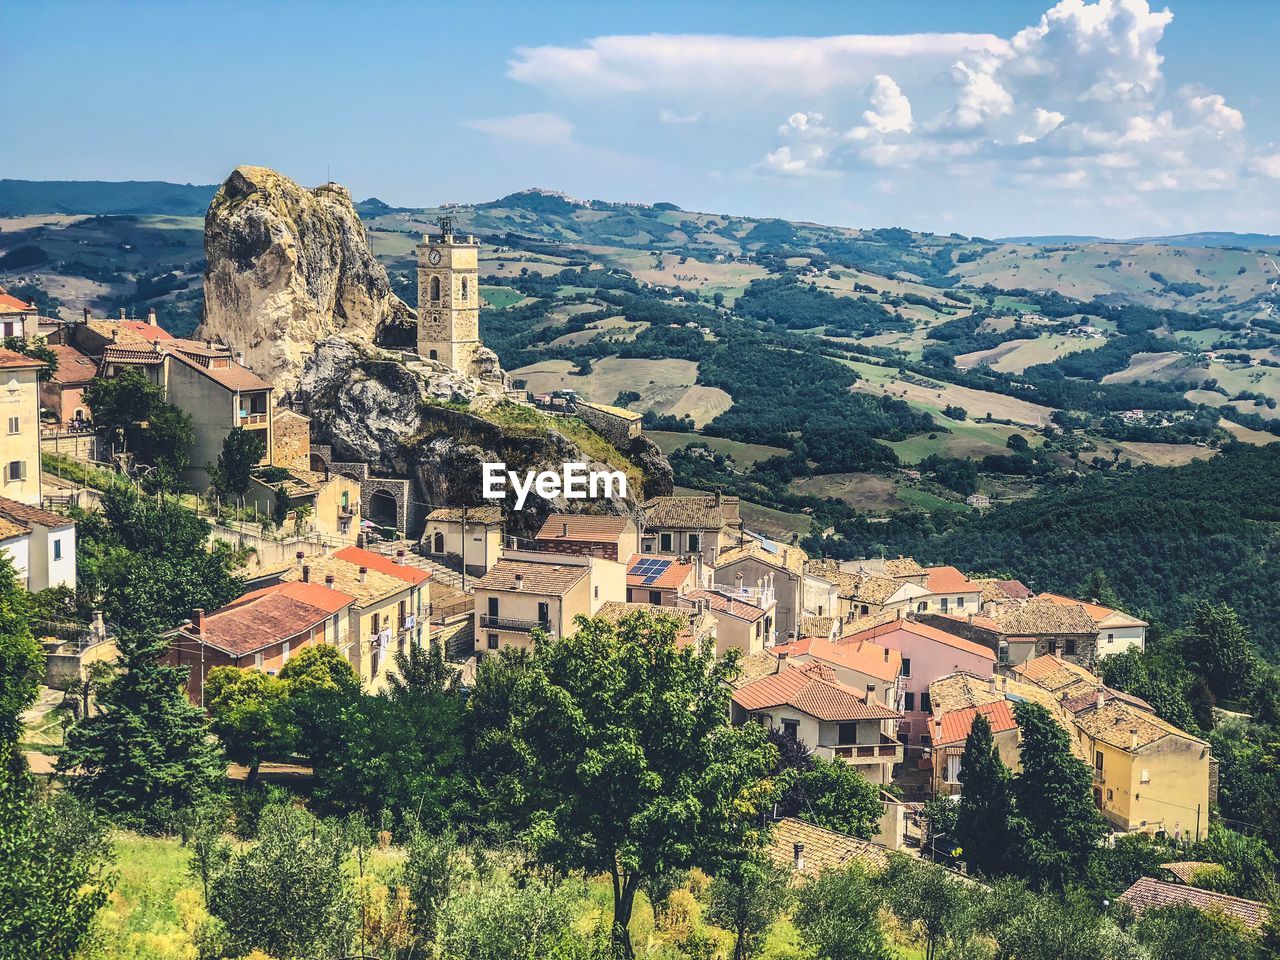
(464, 288)
(433, 355)
(435, 289)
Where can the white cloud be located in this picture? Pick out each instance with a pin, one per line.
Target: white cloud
(1213, 111)
(536, 129)
(1267, 166)
(672, 118)
(891, 110)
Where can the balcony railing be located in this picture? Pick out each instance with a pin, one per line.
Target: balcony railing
(515, 626)
(886, 749)
(252, 419)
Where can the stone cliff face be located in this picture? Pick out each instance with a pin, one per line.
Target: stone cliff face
(287, 267)
(426, 422)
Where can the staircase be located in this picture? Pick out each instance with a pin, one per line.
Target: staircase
(440, 574)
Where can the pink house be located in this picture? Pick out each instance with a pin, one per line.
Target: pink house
(927, 654)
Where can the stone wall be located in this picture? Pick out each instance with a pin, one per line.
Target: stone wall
(292, 440)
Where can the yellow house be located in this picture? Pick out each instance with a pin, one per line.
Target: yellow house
(445, 539)
(392, 603)
(20, 427)
(1148, 776)
(332, 501)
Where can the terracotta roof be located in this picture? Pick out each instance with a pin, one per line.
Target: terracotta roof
(1039, 617)
(74, 368)
(147, 331)
(233, 377)
(383, 564)
(685, 513)
(862, 656)
(949, 580)
(1148, 894)
(1014, 589)
(375, 588)
(823, 849)
(612, 411)
(267, 616)
(551, 578)
(11, 304)
(1099, 613)
(925, 633)
(139, 354)
(955, 725)
(861, 585)
(903, 567)
(788, 559)
(26, 514)
(813, 626)
(1055, 674)
(12, 360)
(10, 529)
(1186, 870)
(674, 576)
(488, 516)
(693, 627)
(723, 603)
(753, 666)
(1115, 722)
(583, 528)
(811, 689)
(1088, 699)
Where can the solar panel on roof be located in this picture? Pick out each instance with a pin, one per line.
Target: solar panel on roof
(655, 570)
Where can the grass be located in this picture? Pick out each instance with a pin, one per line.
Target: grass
(499, 298)
(746, 455)
(774, 523)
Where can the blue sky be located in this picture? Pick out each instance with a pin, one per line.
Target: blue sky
(1112, 117)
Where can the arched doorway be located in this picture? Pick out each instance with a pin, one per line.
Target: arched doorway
(318, 464)
(382, 509)
(437, 543)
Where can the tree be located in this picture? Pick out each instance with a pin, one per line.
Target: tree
(837, 915)
(1096, 588)
(1114, 869)
(838, 797)
(982, 815)
(21, 658)
(432, 873)
(1056, 825)
(123, 401)
(1249, 866)
(288, 894)
(503, 920)
(605, 743)
(1032, 926)
(1219, 646)
(242, 451)
(248, 713)
(746, 897)
(147, 754)
(920, 893)
(1186, 933)
(166, 444)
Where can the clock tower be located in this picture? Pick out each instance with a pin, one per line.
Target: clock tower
(449, 298)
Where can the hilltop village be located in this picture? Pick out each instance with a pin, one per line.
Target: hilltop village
(324, 520)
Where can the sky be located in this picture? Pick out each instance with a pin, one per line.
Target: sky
(1117, 118)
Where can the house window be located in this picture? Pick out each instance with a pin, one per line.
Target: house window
(952, 774)
(464, 288)
(906, 666)
(908, 701)
(865, 609)
(8, 328)
(1110, 794)
(492, 640)
(437, 543)
(1097, 760)
(959, 603)
(57, 549)
(664, 540)
(943, 604)
(695, 542)
(434, 355)
(925, 704)
(544, 612)
(922, 606)
(655, 597)
(1146, 776)
(493, 606)
(334, 624)
(1110, 637)
(1071, 647)
(13, 425)
(791, 729)
(846, 733)
(15, 470)
(596, 588)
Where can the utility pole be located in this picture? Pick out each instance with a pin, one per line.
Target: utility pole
(464, 548)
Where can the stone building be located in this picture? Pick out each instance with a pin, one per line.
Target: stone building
(292, 440)
(615, 424)
(449, 299)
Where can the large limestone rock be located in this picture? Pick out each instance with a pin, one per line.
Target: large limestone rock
(289, 266)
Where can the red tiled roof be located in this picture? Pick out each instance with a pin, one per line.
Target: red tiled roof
(1097, 611)
(863, 656)
(955, 726)
(233, 377)
(811, 689)
(924, 632)
(316, 595)
(267, 616)
(721, 603)
(671, 578)
(1014, 589)
(25, 514)
(11, 304)
(1148, 894)
(12, 360)
(147, 331)
(74, 368)
(137, 354)
(949, 580)
(582, 527)
(376, 561)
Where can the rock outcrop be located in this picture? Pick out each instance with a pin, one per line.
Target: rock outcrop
(424, 421)
(289, 266)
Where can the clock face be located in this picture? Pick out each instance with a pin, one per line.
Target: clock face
(434, 257)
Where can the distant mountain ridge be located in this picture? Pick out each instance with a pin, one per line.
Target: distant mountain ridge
(1208, 238)
(20, 198)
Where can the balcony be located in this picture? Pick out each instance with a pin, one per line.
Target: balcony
(253, 419)
(887, 750)
(513, 625)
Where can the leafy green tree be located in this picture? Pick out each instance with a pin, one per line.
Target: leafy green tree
(1220, 647)
(148, 753)
(838, 916)
(1249, 866)
(1056, 825)
(54, 867)
(1159, 676)
(982, 815)
(1185, 933)
(502, 920)
(432, 873)
(1033, 926)
(134, 408)
(38, 349)
(604, 744)
(166, 444)
(1096, 587)
(746, 897)
(1115, 868)
(21, 658)
(1249, 775)
(838, 797)
(249, 714)
(288, 894)
(945, 908)
(242, 451)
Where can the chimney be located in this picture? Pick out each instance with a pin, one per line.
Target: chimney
(992, 683)
(151, 317)
(718, 499)
(329, 580)
(115, 334)
(1133, 738)
(122, 313)
(886, 654)
(87, 315)
(400, 557)
(299, 556)
(519, 581)
(564, 529)
(364, 574)
(306, 573)
(797, 856)
(1102, 699)
(197, 621)
(782, 660)
(240, 357)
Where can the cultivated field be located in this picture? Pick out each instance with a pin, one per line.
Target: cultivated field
(744, 454)
(1014, 356)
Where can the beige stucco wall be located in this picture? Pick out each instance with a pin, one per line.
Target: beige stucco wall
(20, 398)
(1177, 784)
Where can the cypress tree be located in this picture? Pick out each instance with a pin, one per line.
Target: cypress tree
(982, 817)
(1056, 826)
